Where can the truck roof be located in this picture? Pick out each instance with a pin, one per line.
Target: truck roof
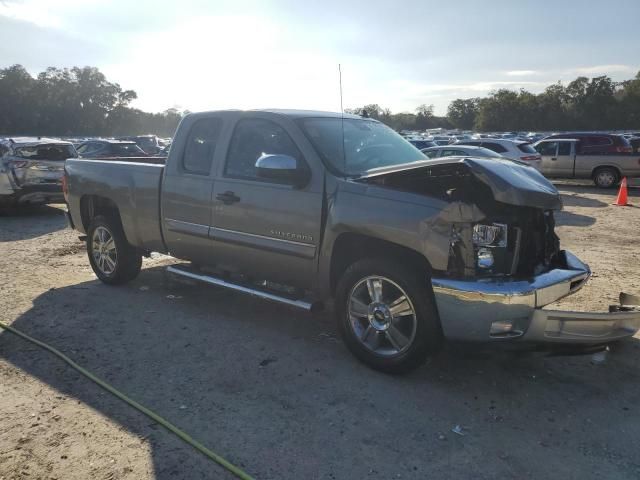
(308, 113)
(290, 113)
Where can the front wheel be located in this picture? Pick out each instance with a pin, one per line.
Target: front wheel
(606, 177)
(113, 259)
(387, 316)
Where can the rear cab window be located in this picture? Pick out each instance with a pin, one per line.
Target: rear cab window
(201, 145)
(564, 148)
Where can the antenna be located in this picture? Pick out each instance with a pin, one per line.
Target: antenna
(344, 154)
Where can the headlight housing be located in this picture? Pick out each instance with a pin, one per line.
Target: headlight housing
(490, 242)
(494, 235)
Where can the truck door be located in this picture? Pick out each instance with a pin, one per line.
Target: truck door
(187, 188)
(268, 229)
(548, 152)
(557, 158)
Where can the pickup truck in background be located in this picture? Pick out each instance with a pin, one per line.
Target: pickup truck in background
(560, 159)
(310, 208)
(31, 170)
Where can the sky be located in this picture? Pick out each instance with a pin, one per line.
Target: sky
(210, 54)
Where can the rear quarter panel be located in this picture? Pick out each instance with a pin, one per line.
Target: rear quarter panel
(133, 187)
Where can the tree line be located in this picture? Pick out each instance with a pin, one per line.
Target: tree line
(76, 101)
(598, 103)
(80, 101)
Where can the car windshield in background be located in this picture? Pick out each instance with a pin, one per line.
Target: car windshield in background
(46, 152)
(367, 144)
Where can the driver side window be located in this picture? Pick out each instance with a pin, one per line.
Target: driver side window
(548, 149)
(253, 138)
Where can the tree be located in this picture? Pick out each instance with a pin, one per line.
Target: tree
(424, 117)
(462, 113)
(73, 102)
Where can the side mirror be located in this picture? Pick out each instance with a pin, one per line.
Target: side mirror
(283, 168)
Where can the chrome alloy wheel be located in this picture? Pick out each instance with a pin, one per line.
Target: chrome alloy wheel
(382, 316)
(104, 251)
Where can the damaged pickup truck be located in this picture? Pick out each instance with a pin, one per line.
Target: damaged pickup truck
(304, 207)
(31, 170)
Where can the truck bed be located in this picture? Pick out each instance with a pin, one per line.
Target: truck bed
(134, 186)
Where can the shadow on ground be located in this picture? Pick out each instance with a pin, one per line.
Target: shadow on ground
(43, 219)
(571, 219)
(275, 391)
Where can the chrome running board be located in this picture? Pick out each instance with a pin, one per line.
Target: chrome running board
(241, 288)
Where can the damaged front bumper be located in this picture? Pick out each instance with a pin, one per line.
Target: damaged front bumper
(510, 309)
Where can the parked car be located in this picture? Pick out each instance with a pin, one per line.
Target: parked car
(561, 159)
(513, 149)
(150, 144)
(460, 151)
(420, 144)
(596, 143)
(442, 140)
(110, 148)
(304, 207)
(635, 144)
(31, 170)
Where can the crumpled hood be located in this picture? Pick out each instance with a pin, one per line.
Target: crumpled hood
(510, 182)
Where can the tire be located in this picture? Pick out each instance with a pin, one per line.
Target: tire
(387, 351)
(119, 262)
(606, 177)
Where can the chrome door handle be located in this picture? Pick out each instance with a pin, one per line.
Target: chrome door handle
(228, 197)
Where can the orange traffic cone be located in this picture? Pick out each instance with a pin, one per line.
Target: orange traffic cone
(621, 201)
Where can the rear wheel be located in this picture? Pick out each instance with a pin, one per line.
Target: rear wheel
(387, 316)
(113, 259)
(606, 177)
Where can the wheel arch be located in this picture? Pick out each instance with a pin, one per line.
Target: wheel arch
(92, 206)
(350, 247)
(600, 167)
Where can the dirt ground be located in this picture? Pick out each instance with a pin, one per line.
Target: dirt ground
(275, 391)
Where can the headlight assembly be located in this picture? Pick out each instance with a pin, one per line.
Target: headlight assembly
(494, 235)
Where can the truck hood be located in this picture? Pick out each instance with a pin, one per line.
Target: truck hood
(511, 182)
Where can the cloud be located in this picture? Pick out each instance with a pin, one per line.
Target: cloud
(521, 73)
(30, 12)
(602, 70)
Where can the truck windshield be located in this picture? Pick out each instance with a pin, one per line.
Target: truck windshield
(367, 144)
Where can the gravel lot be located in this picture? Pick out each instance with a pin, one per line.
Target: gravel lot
(274, 390)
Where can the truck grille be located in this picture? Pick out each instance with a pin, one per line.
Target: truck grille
(539, 245)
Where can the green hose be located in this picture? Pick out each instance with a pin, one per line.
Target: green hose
(238, 472)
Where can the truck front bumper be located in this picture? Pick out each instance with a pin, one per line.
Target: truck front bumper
(511, 310)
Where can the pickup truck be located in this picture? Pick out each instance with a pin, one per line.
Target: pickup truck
(313, 208)
(560, 159)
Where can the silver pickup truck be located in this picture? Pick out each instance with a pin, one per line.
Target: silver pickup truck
(310, 208)
(561, 160)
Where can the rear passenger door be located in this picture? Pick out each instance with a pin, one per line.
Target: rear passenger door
(187, 188)
(266, 228)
